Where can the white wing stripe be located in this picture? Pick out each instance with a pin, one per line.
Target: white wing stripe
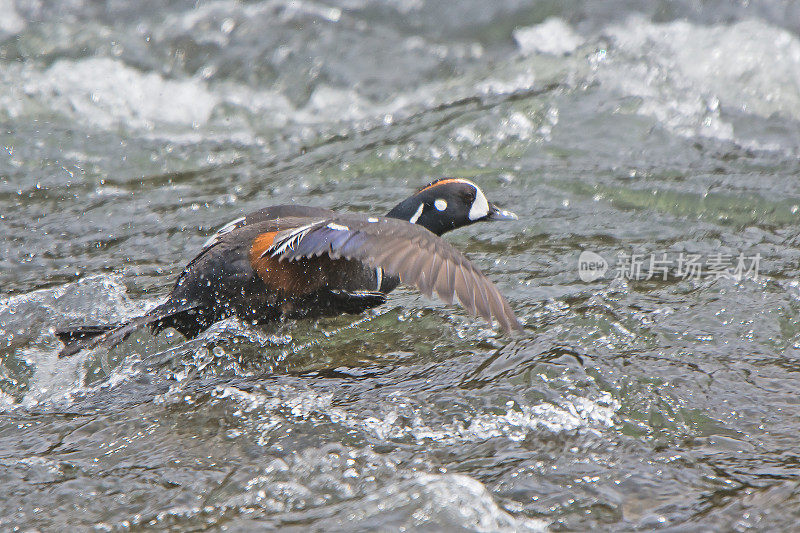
(289, 241)
(227, 228)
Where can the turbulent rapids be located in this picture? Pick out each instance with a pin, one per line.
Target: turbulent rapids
(655, 383)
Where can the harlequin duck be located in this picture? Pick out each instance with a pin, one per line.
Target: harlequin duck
(291, 261)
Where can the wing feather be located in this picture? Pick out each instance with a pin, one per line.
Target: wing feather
(481, 298)
(407, 251)
(419, 266)
(394, 262)
(445, 282)
(431, 269)
(465, 296)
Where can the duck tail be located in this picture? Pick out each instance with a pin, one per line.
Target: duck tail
(80, 337)
(107, 336)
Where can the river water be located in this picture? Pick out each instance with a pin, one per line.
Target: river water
(660, 139)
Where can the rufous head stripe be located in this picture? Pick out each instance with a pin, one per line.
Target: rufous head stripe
(444, 182)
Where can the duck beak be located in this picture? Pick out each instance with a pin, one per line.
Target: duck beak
(495, 213)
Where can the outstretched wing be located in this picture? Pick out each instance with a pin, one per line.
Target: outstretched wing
(408, 251)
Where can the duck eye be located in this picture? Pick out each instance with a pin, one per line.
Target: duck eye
(440, 204)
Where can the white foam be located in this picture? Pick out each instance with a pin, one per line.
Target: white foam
(516, 126)
(399, 417)
(27, 320)
(10, 21)
(684, 72)
(360, 488)
(106, 92)
(750, 64)
(575, 413)
(553, 36)
(459, 501)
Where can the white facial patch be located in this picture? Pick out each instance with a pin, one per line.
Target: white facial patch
(480, 206)
(372, 220)
(440, 204)
(417, 214)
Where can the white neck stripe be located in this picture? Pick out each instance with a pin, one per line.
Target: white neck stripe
(416, 215)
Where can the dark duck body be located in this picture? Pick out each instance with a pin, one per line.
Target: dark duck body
(292, 261)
